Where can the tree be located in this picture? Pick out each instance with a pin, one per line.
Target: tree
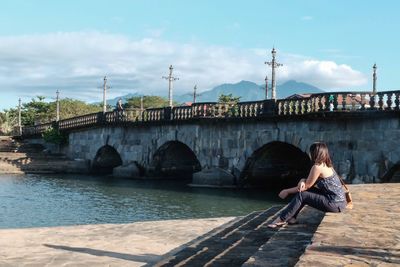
(71, 108)
(228, 99)
(38, 111)
(230, 103)
(148, 102)
(7, 122)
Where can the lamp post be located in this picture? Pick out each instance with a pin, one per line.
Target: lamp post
(374, 79)
(266, 87)
(19, 117)
(57, 105)
(273, 65)
(170, 79)
(105, 87)
(194, 93)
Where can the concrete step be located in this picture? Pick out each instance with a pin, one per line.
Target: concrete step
(18, 155)
(249, 242)
(286, 246)
(7, 144)
(217, 249)
(29, 165)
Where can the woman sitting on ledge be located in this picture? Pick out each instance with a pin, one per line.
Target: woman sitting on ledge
(321, 190)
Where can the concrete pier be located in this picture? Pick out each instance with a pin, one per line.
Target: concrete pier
(368, 235)
(134, 244)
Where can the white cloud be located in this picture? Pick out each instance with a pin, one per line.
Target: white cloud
(76, 62)
(323, 74)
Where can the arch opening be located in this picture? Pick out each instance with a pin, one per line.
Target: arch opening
(106, 159)
(174, 159)
(276, 165)
(393, 175)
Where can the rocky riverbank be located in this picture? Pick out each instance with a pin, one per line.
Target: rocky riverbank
(20, 157)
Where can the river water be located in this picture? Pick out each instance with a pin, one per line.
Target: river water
(59, 200)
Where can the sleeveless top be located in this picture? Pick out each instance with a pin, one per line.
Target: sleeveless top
(332, 187)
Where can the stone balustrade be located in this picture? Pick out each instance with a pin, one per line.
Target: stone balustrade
(296, 106)
(339, 101)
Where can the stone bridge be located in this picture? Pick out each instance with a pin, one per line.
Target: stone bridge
(249, 143)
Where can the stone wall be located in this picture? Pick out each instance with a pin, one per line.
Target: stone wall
(363, 148)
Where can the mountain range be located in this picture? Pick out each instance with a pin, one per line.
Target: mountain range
(248, 91)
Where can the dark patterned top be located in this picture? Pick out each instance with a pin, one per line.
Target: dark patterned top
(332, 188)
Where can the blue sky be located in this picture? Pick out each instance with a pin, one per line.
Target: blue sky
(71, 45)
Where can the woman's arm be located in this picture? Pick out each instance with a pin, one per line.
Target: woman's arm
(311, 179)
(285, 192)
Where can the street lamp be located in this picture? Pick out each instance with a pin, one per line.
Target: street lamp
(57, 105)
(170, 79)
(374, 79)
(105, 87)
(273, 65)
(19, 117)
(194, 93)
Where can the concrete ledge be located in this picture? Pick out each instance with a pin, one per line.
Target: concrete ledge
(213, 177)
(368, 235)
(133, 244)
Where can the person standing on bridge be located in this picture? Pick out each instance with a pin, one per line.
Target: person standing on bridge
(321, 190)
(120, 109)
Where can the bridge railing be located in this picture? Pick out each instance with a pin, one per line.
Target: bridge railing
(182, 113)
(227, 110)
(339, 101)
(37, 129)
(315, 103)
(80, 121)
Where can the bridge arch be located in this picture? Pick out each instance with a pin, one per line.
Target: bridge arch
(174, 159)
(106, 159)
(276, 165)
(393, 174)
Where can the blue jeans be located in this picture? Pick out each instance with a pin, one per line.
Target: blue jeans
(313, 198)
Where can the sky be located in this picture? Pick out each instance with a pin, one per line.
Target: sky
(70, 46)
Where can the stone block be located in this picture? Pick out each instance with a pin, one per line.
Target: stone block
(127, 171)
(223, 162)
(213, 177)
(232, 143)
(77, 166)
(357, 180)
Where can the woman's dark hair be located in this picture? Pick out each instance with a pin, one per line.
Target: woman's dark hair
(319, 154)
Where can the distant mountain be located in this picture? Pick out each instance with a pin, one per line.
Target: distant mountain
(245, 89)
(249, 91)
(292, 87)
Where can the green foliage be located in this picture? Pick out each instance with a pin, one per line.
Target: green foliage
(7, 122)
(54, 136)
(38, 111)
(71, 108)
(148, 102)
(228, 99)
(230, 102)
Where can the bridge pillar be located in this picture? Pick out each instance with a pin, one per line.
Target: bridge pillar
(269, 107)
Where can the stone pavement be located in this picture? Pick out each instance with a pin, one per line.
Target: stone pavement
(116, 245)
(368, 235)
(249, 242)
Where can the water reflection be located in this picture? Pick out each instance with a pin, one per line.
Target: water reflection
(53, 200)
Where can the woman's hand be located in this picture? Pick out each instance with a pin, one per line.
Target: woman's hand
(302, 186)
(283, 194)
